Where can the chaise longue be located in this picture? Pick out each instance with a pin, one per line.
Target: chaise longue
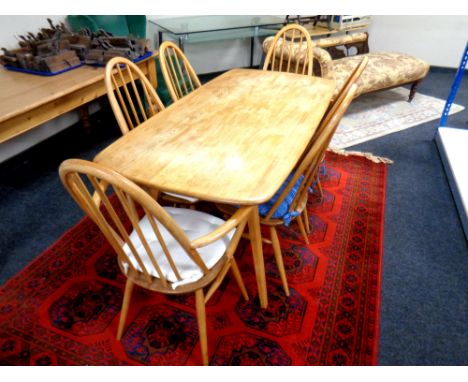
(384, 69)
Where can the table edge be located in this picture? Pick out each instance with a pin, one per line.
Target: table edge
(251, 201)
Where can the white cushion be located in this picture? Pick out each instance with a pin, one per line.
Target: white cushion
(195, 224)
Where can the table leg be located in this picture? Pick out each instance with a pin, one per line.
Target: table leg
(151, 72)
(181, 43)
(252, 45)
(257, 254)
(83, 113)
(160, 38)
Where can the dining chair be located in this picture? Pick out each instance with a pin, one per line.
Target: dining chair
(169, 250)
(352, 79)
(294, 195)
(287, 52)
(133, 103)
(290, 200)
(179, 75)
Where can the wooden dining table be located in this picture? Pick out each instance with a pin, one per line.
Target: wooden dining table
(234, 140)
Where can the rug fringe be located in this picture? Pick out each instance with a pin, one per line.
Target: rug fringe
(370, 156)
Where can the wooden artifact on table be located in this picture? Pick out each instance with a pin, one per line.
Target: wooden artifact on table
(50, 50)
(55, 49)
(105, 46)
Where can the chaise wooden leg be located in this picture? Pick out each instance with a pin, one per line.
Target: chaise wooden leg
(201, 318)
(124, 310)
(413, 90)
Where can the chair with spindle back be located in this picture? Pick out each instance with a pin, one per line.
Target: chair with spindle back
(133, 103)
(302, 179)
(169, 250)
(352, 79)
(282, 54)
(179, 75)
(290, 200)
(132, 98)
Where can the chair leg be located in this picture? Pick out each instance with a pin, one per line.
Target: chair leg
(306, 220)
(125, 304)
(154, 193)
(279, 259)
(238, 277)
(319, 187)
(201, 318)
(302, 229)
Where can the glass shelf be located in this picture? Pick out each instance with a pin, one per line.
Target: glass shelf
(200, 29)
(202, 24)
(227, 35)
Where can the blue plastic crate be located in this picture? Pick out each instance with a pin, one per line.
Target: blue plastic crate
(136, 60)
(38, 73)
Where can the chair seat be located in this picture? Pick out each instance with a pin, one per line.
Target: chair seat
(195, 224)
(282, 212)
(384, 70)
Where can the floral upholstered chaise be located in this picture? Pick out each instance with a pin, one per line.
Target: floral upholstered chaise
(384, 69)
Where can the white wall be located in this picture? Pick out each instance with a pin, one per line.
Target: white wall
(439, 40)
(16, 25)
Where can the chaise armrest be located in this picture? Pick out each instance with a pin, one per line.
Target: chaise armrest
(346, 39)
(323, 65)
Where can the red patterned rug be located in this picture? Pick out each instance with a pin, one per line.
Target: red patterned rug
(63, 309)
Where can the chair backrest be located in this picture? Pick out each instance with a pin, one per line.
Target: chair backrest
(335, 106)
(132, 97)
(90, 185)
(287, 52)
(350, 81)
(309, 164)
(178, 74)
